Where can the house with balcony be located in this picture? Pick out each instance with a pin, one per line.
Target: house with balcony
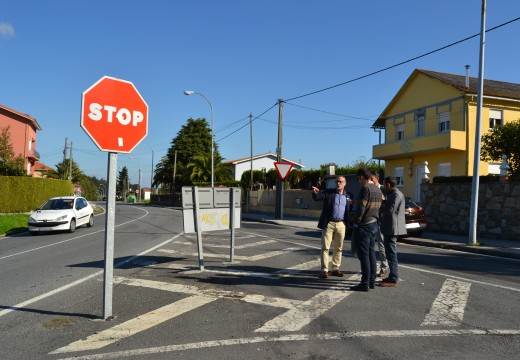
(430, 124)
(22, 130)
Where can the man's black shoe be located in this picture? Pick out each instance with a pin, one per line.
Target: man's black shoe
(359, 287)
(372, 285)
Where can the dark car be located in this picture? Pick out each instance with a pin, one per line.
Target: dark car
(415, 218)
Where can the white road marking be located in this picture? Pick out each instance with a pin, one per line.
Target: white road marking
(238, 247)
(238, 257)
(294, 337)
(79, 281)
(302, 314)
(459, 278)
(136, 325)
(74, 238)
(448, 308)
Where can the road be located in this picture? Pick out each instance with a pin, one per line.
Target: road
(267, 304)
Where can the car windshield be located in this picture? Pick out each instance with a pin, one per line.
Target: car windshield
(409, 203)
(57, 204)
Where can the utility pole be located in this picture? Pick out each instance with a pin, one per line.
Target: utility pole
(476, 160)
(64, 159)
(70, 162)
(174, 171)
(279, 183)
(251, 141)
(139, 195)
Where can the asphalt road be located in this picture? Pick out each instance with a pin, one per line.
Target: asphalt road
(267, 304)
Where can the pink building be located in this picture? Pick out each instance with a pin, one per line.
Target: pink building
(22, 129)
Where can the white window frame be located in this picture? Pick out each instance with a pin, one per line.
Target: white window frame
(398, 175)
(444, 121)
(495, 118)
(444, 169)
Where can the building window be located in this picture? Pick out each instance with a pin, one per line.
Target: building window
(398, 175)
(419, 123)
(444, 169)
(399, 132)
(495, 118)
(494, 168)
(444, 121)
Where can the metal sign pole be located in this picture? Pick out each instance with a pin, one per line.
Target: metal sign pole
(109, 235)
(232, 224)
(197, 226)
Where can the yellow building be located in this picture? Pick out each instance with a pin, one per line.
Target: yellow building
(430, 126)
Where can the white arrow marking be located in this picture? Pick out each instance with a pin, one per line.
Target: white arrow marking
(448, 307)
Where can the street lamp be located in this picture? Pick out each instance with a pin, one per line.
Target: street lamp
(188, 92)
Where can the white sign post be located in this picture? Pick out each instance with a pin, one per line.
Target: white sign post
(210, 209)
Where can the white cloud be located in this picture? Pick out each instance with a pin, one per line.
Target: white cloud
(6, 30)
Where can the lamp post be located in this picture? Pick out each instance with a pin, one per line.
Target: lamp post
(189, 92)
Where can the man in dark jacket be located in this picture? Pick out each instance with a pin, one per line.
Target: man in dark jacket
(393, 225)
(333, 224)
(365, 229)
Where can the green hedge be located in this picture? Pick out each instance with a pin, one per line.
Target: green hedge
(20, 194)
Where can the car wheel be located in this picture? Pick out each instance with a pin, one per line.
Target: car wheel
(91, 221)
(72, 227)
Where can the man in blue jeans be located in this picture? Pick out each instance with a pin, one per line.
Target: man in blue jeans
(393, 225)
(365, 228)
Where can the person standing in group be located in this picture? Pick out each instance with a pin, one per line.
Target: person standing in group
(365, 228)
(383, 263)
(393, 225)
(333, 223)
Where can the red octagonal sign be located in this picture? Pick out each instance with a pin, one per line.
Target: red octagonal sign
(114, 115)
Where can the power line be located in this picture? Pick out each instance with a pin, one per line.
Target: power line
(401, 63)
(222, 138)
(368, 75)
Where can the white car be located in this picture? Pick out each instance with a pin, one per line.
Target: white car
(61, 213)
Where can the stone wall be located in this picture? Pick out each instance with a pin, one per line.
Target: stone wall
(448, 208)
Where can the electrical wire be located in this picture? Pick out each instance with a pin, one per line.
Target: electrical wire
(402, 62)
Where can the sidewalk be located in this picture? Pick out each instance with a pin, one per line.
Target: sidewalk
(494, 247)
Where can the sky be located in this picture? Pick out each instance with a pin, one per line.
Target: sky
(243, 56)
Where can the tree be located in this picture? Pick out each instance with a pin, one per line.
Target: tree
(503, 140)
(122, 182)
(63, 170)
(191, 145)
(10, 164)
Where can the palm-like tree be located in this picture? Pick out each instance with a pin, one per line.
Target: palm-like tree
(200, 167)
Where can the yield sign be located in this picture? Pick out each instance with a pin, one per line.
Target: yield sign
(283, 169)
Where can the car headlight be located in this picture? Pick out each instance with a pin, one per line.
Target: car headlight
(32, 220)
(64, 217)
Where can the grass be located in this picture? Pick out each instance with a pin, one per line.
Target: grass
(10, 223)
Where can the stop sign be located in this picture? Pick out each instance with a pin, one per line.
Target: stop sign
(114, 115)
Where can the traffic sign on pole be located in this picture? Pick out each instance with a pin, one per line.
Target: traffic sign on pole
(283, 169)
(114, 115)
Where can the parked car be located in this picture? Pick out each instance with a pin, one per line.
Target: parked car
(61, 213)
(415, 218)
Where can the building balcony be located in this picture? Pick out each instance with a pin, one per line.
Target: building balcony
(449, 140)
(33, 155)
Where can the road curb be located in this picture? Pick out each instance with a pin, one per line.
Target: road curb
(482, 250)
